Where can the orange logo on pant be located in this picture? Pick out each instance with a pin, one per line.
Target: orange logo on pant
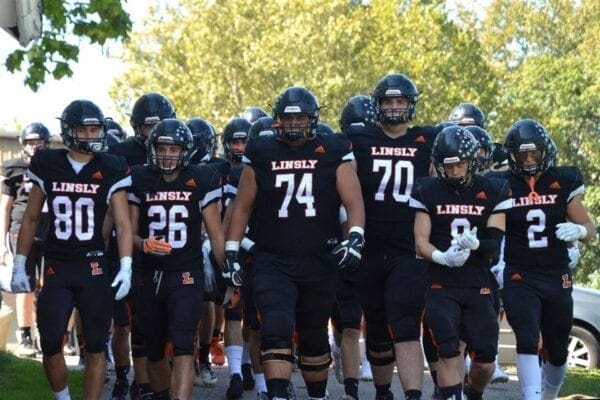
(187, 279)
(96, 269)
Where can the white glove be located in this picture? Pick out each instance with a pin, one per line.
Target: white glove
(498, 271)
(453, 257)
(574, 255)
(123, 278)
(468, 239)
(569, 232)
(20, 280)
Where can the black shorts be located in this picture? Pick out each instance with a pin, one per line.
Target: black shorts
(84, 284)
(347, 313)
(392, 294)
(170, 308)
(468, 314)
(534, 305)
(286, 301)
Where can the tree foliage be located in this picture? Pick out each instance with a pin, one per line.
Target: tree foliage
(65, 23)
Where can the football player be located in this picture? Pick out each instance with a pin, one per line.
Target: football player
(459, 223)
(288, 180)
(358, 111)
(79, 184)
(252, 114)
(16, 186)
(170, 200)
(466, 114)
(389, 158)
(148, 110)
(547, 213)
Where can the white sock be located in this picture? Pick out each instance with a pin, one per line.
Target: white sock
(234, 359)
(553, 379)
(63, 394)
(260, 383)
(246, 353)
(530, 377)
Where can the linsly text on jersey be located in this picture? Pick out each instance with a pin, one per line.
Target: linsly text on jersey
(535, 200)
(393, 151)
(164, 196)
(69, 187)
(460, 209)
(293, 164)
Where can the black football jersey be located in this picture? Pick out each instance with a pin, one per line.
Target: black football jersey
(531, 244)
(297, 204)
(387, 170)
(77, 202)
(131, 150)
(16, 184)
(173, 210)
(231, 184)
(453, 212)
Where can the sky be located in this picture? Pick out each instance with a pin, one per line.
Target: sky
(91, 80)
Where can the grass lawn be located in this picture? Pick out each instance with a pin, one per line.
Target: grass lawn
(582, 381)
(23, 379)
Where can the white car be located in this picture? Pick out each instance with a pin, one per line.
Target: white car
(584, 341)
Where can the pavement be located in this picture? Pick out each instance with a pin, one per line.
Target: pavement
(503, 391)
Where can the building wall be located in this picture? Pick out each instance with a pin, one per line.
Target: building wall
(11, 148)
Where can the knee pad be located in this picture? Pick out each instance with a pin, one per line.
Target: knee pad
(95, 342)
(527, 344)
(448, 350)
(183, 345)
(315, 363)
(407, 328)
(555, 356)
(485, 356)
(314, 342)
(52, 346)
(276, 355)
(275, 343)
(380, 347)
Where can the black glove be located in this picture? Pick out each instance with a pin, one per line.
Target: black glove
(350, 249)
(232, 271)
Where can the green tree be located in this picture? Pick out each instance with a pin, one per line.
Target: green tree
(222, 56)
(65, 23)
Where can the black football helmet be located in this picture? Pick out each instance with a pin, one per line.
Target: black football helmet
(252, 114)
(115, 129)
(236, 128)
(169, 131)
(149, 109)
(261, 127)
(205, 139)
(452, 145)
(82, 113)
(528, 135)
(485, 143)
(324, 129)
(358, 110)
(33, 131)
(396, 85)
(111, 140)
(296, 100)
(467, 114)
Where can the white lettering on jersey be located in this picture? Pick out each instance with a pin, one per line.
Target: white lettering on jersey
(459, 209)
(393, 151)
(530, 201)
(163, 196)
(68, 187)
(293, 164)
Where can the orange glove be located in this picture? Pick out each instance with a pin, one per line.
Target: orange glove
(155, 246)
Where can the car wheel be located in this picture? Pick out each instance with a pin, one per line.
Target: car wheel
(583, 349)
